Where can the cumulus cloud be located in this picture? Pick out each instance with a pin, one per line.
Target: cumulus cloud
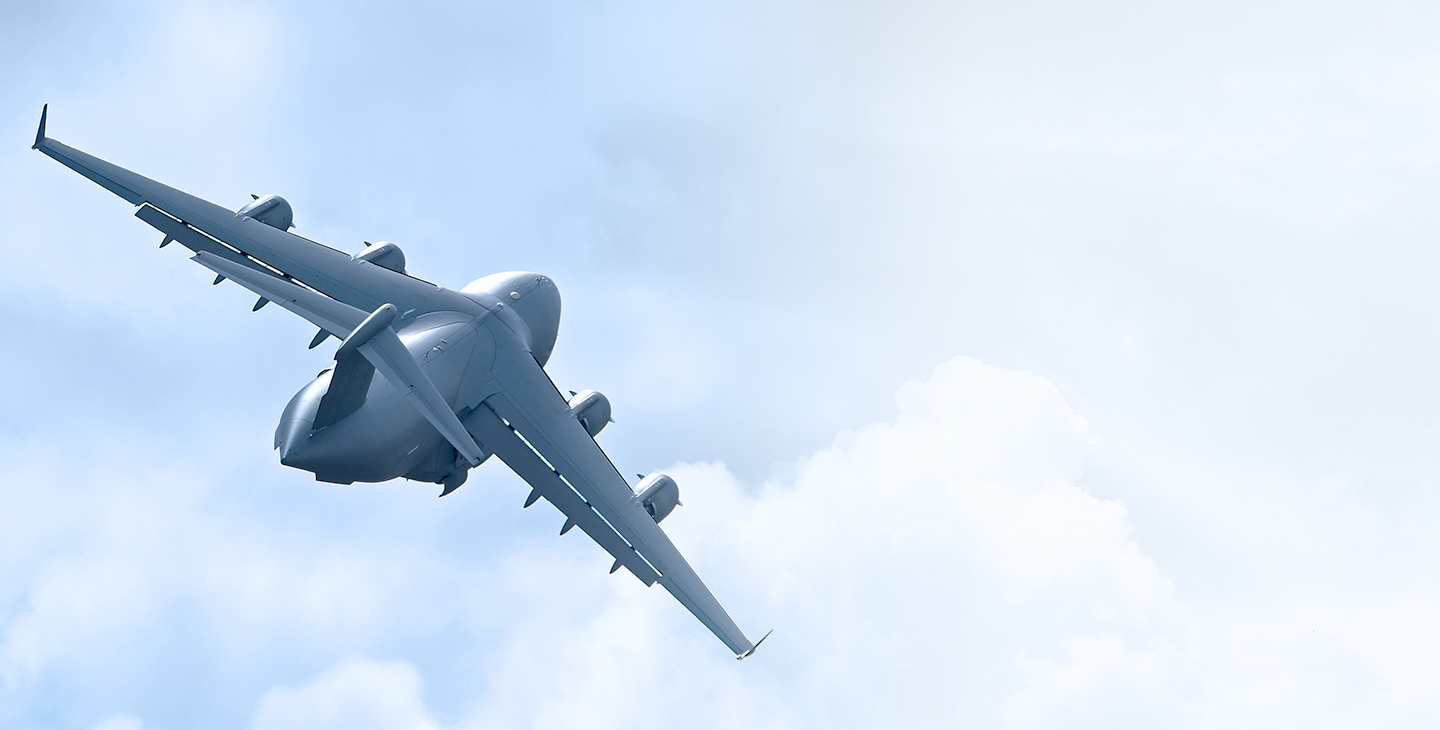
(942, 569)
(951, 568)
(948, 567)
(353, 695)
(1218, 257)
(945, 568)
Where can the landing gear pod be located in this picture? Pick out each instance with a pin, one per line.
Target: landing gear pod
(659, 494)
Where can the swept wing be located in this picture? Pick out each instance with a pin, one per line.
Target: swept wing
(536, 411)
(201, 225)
(340, 293)
(527, 424)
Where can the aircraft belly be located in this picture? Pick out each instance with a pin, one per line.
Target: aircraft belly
(387, 437)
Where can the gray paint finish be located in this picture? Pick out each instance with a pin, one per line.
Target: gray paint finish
(455, 367)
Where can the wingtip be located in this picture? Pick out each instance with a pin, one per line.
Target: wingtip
(40, 133)
(740, 657)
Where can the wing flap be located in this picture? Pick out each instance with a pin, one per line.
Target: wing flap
(501, 440)
(356, 282)
(195, 240)
(320, 310)
(318, 266)
(537, 411)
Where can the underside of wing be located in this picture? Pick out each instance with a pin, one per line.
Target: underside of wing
(527, 422)
(536, 411)
(502, 440)
(267, 248)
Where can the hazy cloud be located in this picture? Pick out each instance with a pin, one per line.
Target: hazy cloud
(355, 694)
(1208, 226)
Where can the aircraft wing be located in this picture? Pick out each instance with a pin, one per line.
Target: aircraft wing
(527, 423)
(204, 226)
(587, 487)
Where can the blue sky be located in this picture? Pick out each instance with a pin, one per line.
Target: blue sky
(1023, 365)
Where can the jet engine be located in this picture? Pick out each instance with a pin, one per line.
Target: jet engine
(592, 409)
(272, 210)
(659, 494)
(384, 253)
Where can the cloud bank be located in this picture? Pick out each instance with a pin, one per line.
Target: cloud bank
(947, 568)
(1209, 226)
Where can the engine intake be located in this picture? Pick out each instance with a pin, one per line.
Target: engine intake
(659, 495)
(592, 409)
(272, 210)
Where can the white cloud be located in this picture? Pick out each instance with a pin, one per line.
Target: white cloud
(944, 568)
(353, 695)
(924, 569)
(1211, 235)
(950, 567)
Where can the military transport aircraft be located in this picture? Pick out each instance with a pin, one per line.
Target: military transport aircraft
(462, 376)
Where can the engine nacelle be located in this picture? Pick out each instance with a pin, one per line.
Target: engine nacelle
(592, 409)
(384, 253)
(272, 210)
(659, 495)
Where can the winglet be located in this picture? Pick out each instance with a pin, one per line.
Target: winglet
(739, 657)
(40, 135)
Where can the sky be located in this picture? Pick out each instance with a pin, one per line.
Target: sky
(1022, 365)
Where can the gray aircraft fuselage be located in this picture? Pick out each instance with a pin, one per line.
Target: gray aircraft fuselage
(427, 382)
(387, 437)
